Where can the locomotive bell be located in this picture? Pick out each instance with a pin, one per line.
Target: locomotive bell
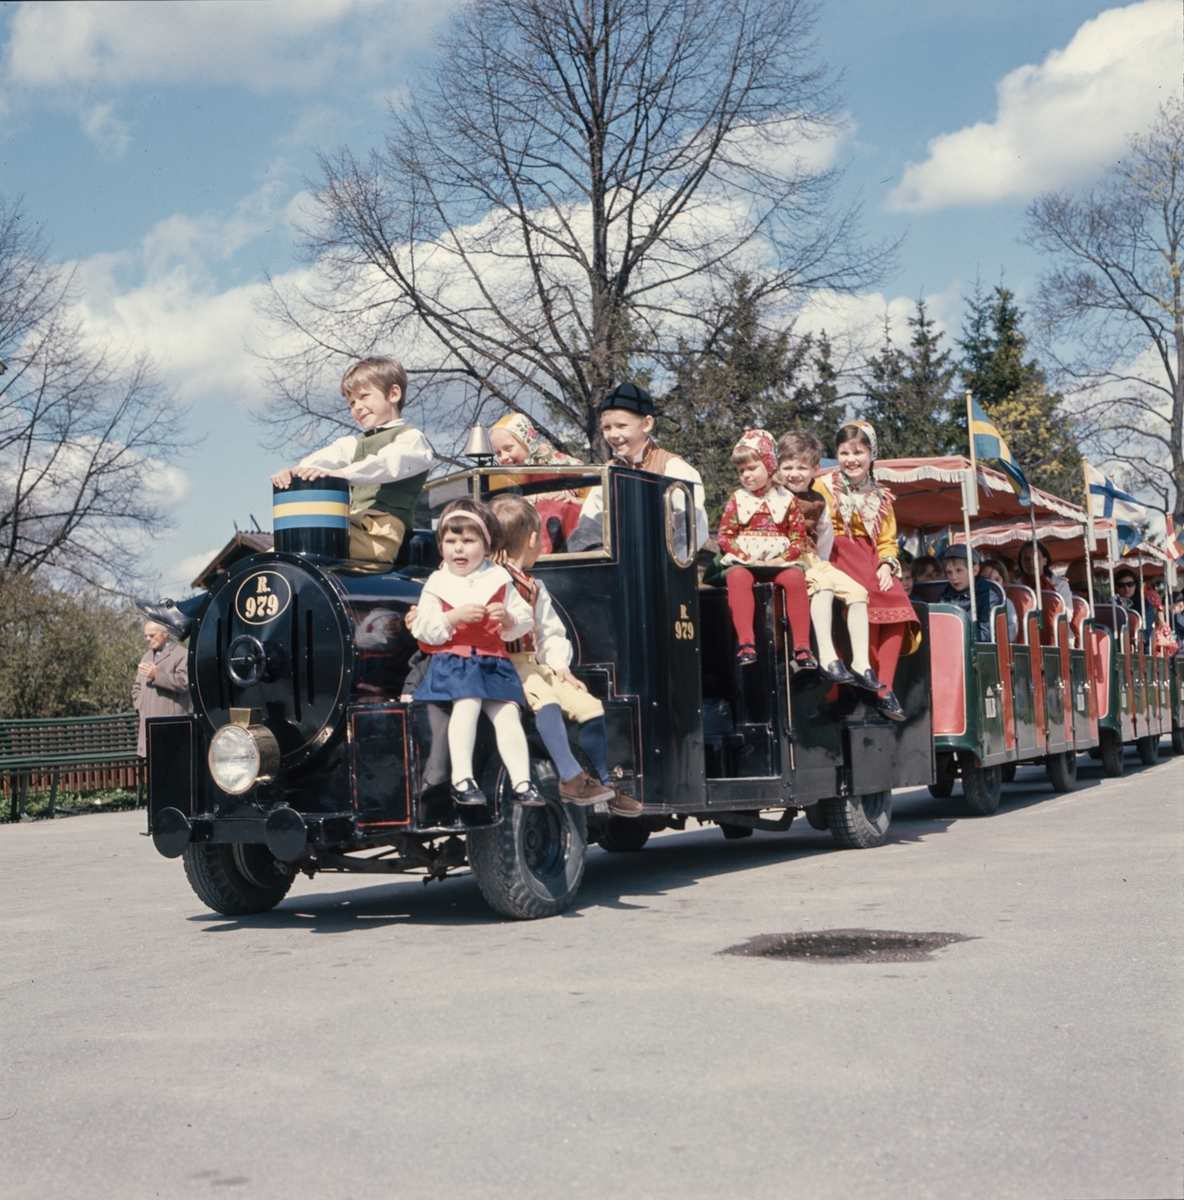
(478, 447)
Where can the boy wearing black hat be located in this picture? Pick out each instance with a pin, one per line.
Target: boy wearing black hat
(957, 589)
(627, 420)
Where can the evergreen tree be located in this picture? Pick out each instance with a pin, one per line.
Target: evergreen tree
(910, 395)
(747, 377)
(1013, 392)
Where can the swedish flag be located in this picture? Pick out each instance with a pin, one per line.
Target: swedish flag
(990, 448)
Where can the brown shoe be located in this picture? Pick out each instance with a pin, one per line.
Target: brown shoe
(624, 806)
(583, 789)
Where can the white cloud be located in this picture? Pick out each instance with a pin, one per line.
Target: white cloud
(858, 321)
(107, 131)
(1058, 123)
(179, 576)
(265, 45)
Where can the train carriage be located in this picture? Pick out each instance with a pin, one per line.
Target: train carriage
(302, 756)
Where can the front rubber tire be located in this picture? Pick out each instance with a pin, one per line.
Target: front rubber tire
(530, 864)
(1113, 751)
(860, 822)
(236, 880)
(1177, 740)
(982, 787)
(943, 789)
(1062, 771)
(1148, 748)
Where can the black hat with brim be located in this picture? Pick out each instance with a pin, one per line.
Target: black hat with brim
(631, 398)
(958, 550)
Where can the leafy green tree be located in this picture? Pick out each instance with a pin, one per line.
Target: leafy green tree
(1013, 391)
(747, 377)
(64, 654)
(910, 394)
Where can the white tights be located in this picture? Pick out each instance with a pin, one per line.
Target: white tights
(820, 616)
(507, 727)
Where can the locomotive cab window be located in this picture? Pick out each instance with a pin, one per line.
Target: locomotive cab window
(679, 507)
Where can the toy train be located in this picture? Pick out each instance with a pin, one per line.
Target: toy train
(301, 756)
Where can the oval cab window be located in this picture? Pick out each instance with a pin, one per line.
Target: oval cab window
(680, 523)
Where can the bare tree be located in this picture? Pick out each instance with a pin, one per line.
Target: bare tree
(572, 196)
(1112, 309)
(83, 433)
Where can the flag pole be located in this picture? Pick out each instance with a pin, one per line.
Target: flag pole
(970, 491)
(1089, 540)
(1037, 576)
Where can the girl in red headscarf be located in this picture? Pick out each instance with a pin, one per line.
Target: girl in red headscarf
(865, 548)
(761, 534)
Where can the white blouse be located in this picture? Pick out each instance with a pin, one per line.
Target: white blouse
(479, 587)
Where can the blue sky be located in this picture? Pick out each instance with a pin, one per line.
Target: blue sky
(164, 150)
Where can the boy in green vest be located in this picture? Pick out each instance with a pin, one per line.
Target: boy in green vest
(386, 464)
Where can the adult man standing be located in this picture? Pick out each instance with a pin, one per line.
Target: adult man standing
(161, 688)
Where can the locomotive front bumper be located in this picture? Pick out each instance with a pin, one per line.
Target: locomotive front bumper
(284, 831)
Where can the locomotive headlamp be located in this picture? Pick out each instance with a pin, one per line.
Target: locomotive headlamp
(242, 755)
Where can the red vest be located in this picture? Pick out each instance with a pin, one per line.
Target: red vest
(483, 637)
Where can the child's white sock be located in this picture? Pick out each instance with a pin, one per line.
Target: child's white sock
(858, 631)
(820, 617)
(462, 736)
(511, 741)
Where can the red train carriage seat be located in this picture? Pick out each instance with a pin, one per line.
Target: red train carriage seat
(1080, 612)
(1023, 600)
(1052, 607)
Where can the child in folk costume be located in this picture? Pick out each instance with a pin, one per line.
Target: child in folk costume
(865, 548)
(467, 612)
(517, 442)
(798, 455)
(761, 535)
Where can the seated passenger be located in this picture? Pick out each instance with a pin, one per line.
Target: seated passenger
(995, 570)
(1126, 584)
(926, 569)
(386, 466)
(958, 588)
(1048, 581)
(517, 442)
(627, 420)
(542, 658)
(798, 456)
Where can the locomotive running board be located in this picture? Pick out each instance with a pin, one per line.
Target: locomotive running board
(769, 790)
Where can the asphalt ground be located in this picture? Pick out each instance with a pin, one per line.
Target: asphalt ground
(386, 1039)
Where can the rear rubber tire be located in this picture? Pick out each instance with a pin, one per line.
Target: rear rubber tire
(860, 822)
(1062, 771)
(1113, 752)
(1177, 740)
(236, 880)
(624, 835)
(943, 789)
(1095, 752)
(1007, 772)
(982, 787)
(1148, 748)
(530, 864)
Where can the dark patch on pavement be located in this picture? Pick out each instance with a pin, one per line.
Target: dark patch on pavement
(847, 945)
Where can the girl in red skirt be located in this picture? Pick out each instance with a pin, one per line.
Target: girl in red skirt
(865, 548)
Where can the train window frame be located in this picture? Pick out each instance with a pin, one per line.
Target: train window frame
(474, 476)
(687, 517)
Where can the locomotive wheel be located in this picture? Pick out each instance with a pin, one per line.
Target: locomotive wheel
(236, 880)
(1112, 753)
(624, 835)
(1177, 740)
(982, 787)
(1062, 771)
(860, 822)
(530, 864)
(1007, 772)
(1148, 748)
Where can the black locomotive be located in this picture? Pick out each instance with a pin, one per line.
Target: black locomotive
(300, 755)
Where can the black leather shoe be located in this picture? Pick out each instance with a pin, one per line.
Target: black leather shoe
(868, 681)
(529, 796)
(889, 707)
(836, 672)
(803, 660)
(166, 613)
(467, 792)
